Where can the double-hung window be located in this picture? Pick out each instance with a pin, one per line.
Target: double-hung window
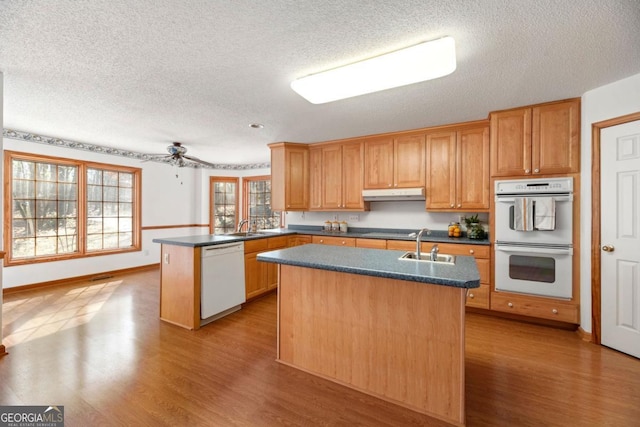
(62, 208)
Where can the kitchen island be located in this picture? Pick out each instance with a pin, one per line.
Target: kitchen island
(387, 327)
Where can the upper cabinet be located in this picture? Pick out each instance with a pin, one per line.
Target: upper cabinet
(537, 140)
(394, 161)
(336, 177)
(289, 176)
(458, 169)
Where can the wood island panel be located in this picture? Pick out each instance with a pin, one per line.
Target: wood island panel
(400, 341)
(180, 286)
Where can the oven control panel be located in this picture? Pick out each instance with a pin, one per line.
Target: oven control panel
(533, 186)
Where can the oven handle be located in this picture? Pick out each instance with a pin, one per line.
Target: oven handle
(531, 250)
(511, 198)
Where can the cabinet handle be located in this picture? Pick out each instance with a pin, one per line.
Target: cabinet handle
(471, 296)
(510, 304)
(389, 185)
(554, 311)
(321, 240)
(471, 251)
(527, 171)
(395, 185)
(344, 243)
(452, 205)
(536, 170)
(459, 206)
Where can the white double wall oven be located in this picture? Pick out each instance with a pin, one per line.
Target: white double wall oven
(534, 236)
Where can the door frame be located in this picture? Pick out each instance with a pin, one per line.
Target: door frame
(596, 289)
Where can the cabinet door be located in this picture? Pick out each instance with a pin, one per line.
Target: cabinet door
(472, 169)
(352, 176)
(378, 163)
(441, 170)
(511, 143)
(297, 179)
(556, 138)
(315, 178)
(332, 177)
(409, 161)
(255, 275)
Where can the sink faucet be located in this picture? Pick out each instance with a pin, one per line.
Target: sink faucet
(243, 222)
(418, 240)
(434, 252)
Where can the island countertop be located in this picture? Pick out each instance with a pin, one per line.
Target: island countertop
(378, 263)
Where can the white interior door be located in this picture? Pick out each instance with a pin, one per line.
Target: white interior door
(620, 237)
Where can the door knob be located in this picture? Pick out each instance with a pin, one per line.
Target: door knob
(608, 248)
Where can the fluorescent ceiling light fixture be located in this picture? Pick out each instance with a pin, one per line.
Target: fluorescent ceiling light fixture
(424, 61)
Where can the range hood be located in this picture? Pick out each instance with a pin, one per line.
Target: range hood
(394, 194)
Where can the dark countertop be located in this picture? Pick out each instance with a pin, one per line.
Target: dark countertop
(378, 263)
(436, 236)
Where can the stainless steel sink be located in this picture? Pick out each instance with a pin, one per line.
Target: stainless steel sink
(245, 234)
(426, 257)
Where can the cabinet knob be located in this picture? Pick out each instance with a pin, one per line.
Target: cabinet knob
(389, 185)
(459, 206)
(321, 240)
(527, 171)
(452, 205)
(536, 171)
(288, 206)
(471, 251)
(471, 296)
(395, 185)
(510, 304)
(344, 243)
(554, 311)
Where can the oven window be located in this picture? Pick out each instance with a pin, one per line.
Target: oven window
(532, 268)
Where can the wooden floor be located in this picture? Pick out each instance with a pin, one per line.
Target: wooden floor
(99, 349)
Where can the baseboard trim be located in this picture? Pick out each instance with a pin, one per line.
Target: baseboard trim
(75, 279)
(584, 335)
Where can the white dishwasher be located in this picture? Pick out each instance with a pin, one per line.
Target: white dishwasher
(222, 280)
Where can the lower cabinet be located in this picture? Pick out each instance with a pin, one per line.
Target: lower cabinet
(298, 240)
(334, 240)
(261, 277)
(544, 308)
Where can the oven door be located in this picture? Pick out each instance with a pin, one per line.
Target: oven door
(538, 270)
(562, 235)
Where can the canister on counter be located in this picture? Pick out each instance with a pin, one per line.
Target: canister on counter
(335, 226)
(343, 226)
(327, 225)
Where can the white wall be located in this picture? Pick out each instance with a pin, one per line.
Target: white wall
(606, 102)
(1, 188)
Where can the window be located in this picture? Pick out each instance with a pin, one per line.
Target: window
(61, 208)
(257, 203)
(223, 213)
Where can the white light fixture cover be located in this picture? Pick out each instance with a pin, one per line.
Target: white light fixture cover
(424, 61)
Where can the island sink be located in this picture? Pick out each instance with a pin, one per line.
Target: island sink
(245, 234)
(440, 259)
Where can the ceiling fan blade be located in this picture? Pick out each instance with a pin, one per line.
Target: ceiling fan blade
(197, 160)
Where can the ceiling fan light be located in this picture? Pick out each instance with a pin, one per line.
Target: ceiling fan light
(418, 63)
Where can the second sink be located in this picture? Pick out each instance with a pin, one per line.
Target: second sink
(426, 257)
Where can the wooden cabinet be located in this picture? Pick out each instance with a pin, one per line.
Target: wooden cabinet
(394, 161)
(298, 240)
(261, 277)
(371, 243)
(334, 240)
(538, 140)
(544, 308)
(336, 177)
(289, 176)
(458, 169)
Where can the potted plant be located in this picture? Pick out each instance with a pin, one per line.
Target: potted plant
(474, 228)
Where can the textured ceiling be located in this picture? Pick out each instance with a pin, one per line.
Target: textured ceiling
(139, 74)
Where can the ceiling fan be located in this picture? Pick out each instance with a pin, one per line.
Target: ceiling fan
(177, 156)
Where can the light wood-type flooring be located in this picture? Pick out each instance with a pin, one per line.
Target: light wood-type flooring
(99, 349)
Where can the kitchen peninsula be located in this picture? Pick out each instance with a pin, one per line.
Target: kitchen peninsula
(366, 319)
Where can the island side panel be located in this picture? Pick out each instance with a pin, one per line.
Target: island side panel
(398, 340)
(180, 285)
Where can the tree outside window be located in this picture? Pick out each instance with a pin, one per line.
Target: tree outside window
(257, 203)
(223, 212)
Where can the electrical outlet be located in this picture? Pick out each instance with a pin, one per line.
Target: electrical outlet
(461, 219)
(335, 217)
(354, 218)
(302, 215)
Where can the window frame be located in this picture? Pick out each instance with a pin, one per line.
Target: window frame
(82, 165)
(245, 195)
(212, 181)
